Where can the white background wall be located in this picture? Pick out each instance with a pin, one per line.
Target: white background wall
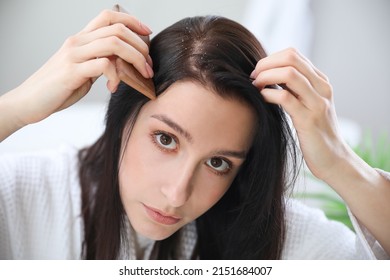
(31, 31)
(351, 43)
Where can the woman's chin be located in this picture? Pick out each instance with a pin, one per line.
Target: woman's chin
(154, 233)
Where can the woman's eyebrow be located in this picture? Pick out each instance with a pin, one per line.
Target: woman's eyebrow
(176, 127)
(227, 153)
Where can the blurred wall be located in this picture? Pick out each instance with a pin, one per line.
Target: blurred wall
(31, 31)
(351, 43)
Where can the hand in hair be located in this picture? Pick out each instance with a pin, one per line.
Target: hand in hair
(71, 71)
(307, 97)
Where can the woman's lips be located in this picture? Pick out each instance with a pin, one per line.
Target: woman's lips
(160, 217)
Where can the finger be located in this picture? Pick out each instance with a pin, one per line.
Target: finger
(289, 102)
(100, 66)
(291, 57)
(295, 82)
(108, 17)
(285, 99)
(118, 30)
(316, 70)
(119, 8)
(129, 75)
(94, 68)
(110, 46)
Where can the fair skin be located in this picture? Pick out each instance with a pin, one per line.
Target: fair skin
(308, 99)
(181, 157)
(71, 71)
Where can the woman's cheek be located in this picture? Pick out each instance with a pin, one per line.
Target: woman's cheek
(211, 189)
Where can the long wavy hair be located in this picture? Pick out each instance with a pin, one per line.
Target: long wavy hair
(249, 220)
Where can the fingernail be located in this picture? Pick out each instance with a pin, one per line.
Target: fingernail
(115, 89)
(111, 87)
(149, 60)
(145, 27)
(149, 70)
(252, 75)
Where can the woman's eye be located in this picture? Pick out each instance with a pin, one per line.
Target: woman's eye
(218, 164)
(166, 141)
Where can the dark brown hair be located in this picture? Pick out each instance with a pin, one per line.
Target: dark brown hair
(248, 221)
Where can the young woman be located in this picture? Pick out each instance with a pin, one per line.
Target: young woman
(199, 172)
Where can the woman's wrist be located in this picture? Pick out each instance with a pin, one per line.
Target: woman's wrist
(367, 194)
(349, 174)
(11, 113)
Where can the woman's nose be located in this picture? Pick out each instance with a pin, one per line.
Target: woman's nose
(179, 188)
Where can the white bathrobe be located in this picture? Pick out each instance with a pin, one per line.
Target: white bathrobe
(40, 217)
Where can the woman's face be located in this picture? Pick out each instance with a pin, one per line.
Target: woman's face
(182, 155)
